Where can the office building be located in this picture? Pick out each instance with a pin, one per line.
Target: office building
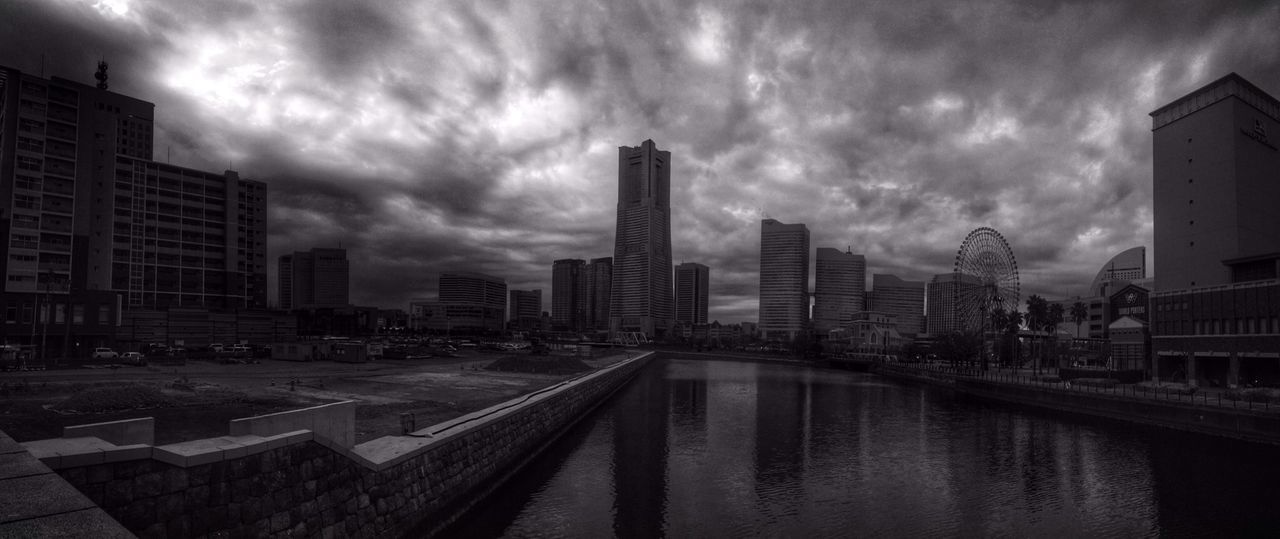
(940, 318)
(1215, 307)
(525, 309)
(94, 219)
(641, 297)
(902, 299)
(568, 286)
(600, 285)
(315, 279)
(466, 303)
(692, 292)
(839, 288)
(784, 279)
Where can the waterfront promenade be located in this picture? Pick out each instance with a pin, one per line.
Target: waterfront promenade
(1210, 411)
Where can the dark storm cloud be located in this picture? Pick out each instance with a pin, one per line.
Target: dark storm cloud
(482, 136)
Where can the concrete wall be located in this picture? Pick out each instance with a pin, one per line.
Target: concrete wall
(303, 484)
(123, 432)
(335, 421)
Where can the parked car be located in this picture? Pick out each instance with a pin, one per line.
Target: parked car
(104, 353)
(133, 358)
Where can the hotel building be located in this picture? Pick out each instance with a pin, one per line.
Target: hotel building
(641, 295)
(1215, 307)
(784, 279)
(902, 299)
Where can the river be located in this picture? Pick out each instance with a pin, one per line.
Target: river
(698, 448)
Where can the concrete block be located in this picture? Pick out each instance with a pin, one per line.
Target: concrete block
(256, 447)
(124, 432)
(201, 458)
(167, 456)
(82, 457)
(127, 452)
(335, 421)
(299, 436)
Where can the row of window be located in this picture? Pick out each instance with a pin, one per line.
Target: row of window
(14, 314)
(1220, 326)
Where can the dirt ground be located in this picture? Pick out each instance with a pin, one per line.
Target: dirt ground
(208, 395)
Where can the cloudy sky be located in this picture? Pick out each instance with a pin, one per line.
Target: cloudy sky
(482, 136)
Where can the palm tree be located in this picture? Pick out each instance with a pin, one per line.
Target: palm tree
(1013, 324)
(1055, 318)
(1037, 317)
(1079, 313)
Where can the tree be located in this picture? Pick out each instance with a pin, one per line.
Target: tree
(999, 319)
(960, 347)
(1037, 317)
(1055, 318)
(1079, 313)
(1013, 324)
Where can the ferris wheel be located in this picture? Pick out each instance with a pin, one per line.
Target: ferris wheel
(986, 278)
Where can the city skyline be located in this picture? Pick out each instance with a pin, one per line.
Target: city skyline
(502, 162)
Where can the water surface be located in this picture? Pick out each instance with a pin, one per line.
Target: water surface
(695, 448)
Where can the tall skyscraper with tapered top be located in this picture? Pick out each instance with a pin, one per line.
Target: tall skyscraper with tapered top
(839, 288)
(641, 295)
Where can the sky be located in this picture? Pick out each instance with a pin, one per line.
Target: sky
(483, 136)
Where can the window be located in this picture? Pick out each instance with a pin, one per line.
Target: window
(26, 313)
(104, 315)
(30, 144)
(60, 314)
(30, 183)
(30, 126)
(26, 221)
(29, 163)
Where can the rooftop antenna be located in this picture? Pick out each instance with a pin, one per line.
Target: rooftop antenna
(101, 75)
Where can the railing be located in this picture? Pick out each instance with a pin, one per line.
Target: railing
(1210, 398)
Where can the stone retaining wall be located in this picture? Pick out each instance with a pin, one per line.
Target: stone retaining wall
(303, 484)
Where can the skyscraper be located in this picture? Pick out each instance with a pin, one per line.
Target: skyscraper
(905, 299)
(692, 294)
(941, 305)
(784, 279)
(600, 285)
(525, 308)
(839, 287)
(640, 298)
(319, 278)
(567, 289)
(1216, 188)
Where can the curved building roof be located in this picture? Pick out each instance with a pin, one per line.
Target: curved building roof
(1127, 266)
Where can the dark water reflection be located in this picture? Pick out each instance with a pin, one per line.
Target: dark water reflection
(721, 448)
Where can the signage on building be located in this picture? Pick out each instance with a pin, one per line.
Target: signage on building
(1259, 133)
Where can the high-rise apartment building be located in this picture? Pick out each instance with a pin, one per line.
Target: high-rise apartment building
(904, 299)
(693, 281)
(784, 279)
(1216, 187)
(315, 279)
(525, 309)
(942, 291)
(600, 284)
(641, 296)
(89, 213)
(839, 288)
(567, 290)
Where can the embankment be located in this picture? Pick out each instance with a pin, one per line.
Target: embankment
(1186, 413)
(297, 473)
